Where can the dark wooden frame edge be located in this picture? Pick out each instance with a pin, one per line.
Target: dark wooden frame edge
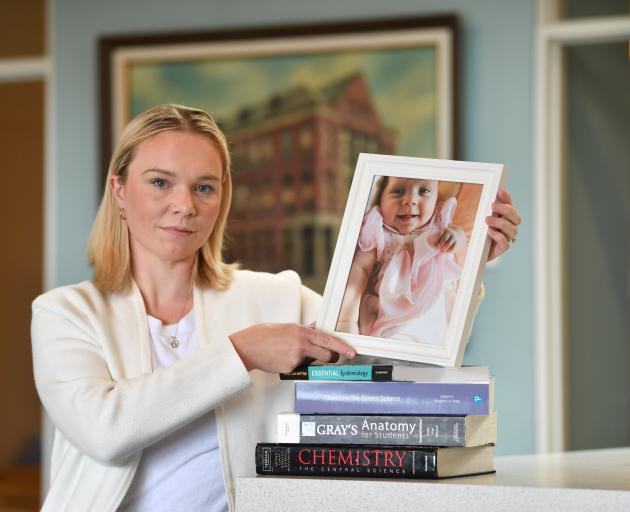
(107, 44)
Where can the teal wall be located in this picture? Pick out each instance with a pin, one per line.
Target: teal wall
(496, 125)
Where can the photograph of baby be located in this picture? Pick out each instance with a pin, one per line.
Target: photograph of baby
(409, 258)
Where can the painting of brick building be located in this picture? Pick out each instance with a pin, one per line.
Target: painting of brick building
(293, 159)
(297, 111)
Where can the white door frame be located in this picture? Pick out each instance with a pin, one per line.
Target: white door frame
(26, 69)
(553, 35)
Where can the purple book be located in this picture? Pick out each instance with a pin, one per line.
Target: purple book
(329, 397)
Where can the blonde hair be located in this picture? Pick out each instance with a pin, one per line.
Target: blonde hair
(108, 247)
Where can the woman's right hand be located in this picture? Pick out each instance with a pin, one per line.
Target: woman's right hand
(280, 348)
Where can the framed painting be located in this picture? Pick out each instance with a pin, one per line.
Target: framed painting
(406, 273)
(297, 104)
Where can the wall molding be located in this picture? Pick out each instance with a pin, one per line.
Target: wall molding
(24, 69)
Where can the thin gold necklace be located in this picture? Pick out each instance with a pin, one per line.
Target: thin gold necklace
(173, 341)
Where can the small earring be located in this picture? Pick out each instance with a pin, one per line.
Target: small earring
(121, 212)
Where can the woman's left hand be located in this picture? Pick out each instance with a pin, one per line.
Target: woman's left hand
(503, 224)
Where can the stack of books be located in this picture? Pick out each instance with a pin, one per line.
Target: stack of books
(385, 421)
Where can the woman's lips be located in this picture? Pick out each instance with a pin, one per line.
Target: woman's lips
(178, 231)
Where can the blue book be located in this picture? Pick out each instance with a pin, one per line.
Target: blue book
(329, 397)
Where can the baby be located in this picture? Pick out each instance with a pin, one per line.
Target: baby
(408, 250)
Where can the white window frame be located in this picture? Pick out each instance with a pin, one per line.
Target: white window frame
(553, 35)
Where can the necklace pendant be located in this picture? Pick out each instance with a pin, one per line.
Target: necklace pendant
(174, 342)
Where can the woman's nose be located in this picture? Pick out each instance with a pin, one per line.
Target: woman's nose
(184, 204)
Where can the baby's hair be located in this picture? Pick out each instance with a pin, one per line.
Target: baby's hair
(380, 185)
(380, 188)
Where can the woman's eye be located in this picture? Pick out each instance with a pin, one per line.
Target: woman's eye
(158, 182)
(205, 188)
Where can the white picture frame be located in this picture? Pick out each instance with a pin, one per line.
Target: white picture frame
(475, 186)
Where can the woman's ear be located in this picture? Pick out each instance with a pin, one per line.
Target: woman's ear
(118, 189)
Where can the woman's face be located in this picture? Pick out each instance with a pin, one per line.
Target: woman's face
(171, 196)
(407, 204)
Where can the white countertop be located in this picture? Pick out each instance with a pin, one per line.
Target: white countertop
(597, 480)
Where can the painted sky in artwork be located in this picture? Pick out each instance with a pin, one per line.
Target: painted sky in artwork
(402, 82)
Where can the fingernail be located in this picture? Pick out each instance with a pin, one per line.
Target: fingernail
(350, 353)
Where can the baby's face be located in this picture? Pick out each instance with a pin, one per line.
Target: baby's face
(407, 204)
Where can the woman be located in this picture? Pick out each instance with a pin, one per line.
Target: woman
(147, 371)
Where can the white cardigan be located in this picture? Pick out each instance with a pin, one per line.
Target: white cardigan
(92, 367)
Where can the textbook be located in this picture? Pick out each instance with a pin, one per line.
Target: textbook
(395, 430)
(372, 461)
(388, 373)
(385, 398)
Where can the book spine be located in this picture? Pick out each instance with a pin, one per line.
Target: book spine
(392, 398)
(341, 372)
(359, 429)
(353, 461)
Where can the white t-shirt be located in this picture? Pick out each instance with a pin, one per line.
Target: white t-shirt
(182, 471)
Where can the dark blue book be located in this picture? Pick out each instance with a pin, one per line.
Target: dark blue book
(329, 397)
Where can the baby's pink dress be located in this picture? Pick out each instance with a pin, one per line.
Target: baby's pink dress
(404, 297)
